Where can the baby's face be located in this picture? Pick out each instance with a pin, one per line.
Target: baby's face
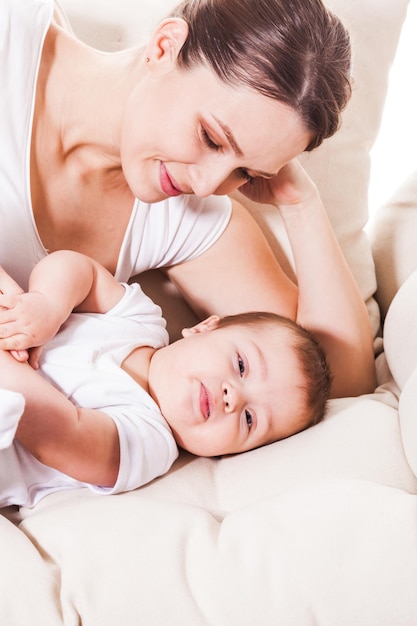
(228, 390)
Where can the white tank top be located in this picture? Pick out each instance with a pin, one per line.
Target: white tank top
(161, 234)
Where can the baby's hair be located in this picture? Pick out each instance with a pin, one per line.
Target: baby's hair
(311, 359)
(294, 51)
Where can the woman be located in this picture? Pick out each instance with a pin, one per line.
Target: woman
(126, 157)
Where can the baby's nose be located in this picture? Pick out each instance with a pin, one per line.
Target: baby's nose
(230, 398)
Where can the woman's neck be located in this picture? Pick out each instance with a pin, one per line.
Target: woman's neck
(81, 95)
(75, 174)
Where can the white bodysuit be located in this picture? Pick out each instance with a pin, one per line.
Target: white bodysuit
(83, 361)
(161, 234)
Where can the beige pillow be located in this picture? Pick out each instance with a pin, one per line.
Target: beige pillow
(393, 235)
(29, 589)
(400, 333)
(329, 553)
(400, 342)
(408, 419)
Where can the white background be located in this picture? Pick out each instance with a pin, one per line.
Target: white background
(394, 155)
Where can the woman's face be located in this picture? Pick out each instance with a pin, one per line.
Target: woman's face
(185, 131)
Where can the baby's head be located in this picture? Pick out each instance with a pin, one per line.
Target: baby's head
(240, 382)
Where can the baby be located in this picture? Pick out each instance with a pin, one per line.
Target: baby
(112, 400)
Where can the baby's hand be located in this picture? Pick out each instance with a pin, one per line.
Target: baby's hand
(30, 356)
(26, 320)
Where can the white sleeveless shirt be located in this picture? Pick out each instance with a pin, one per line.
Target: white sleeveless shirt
(161, 234)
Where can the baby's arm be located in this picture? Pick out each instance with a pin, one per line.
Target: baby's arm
(61, 282)
(82, 443)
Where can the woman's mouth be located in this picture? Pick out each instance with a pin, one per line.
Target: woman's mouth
(204, 402)
(168, 184)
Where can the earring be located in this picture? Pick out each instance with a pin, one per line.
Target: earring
(147, 59)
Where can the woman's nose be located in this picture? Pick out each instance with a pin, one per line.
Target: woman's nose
(206, 181)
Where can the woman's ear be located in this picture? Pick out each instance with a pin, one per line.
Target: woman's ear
(210, 323)
(166, 41)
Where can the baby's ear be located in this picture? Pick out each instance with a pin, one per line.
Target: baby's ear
(210, 323)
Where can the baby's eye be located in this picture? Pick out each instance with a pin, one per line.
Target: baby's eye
(249, 419)
(241, 365)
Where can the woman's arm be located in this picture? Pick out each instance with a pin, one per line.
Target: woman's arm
(329, 302)
(238, 273)
(82, 443)
(59, 283)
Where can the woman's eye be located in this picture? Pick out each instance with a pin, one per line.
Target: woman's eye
(208, 140)
(249, 419)
(245, 174)
(241, 365)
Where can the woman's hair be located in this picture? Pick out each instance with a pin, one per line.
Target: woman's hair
(294, 51)
(309, 353)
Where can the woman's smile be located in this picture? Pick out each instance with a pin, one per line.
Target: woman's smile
(168, 184)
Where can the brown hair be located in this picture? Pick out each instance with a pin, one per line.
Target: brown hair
(311, 359)
(295, 51)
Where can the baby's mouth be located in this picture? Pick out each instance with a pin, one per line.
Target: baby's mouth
(204, 402)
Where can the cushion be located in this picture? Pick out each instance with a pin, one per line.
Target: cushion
(400, 331)
(341, 166)
(29, 589)
(393, 238)
(408, 419)
(400, 343)
(334, 552)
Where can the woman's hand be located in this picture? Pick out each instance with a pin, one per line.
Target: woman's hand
(290, 187)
